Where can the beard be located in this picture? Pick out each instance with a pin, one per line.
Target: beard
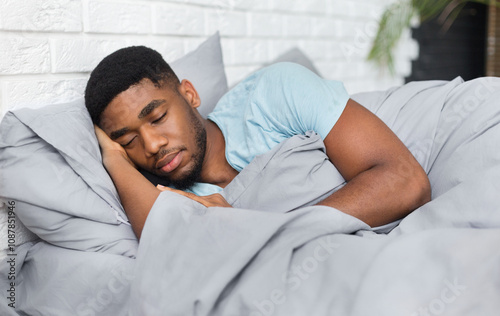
(191, 175)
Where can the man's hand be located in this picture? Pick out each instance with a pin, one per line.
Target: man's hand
(109, 148)
(208, 201)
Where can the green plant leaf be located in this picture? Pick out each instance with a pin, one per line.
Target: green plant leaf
(392, 24)
(397, 17)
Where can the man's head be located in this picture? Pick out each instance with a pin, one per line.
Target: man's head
(121, 70)
(136, 98)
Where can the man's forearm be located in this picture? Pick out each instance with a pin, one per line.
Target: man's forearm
(137, 194)
(381, 195)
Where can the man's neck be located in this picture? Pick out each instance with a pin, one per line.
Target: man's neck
(216, 169)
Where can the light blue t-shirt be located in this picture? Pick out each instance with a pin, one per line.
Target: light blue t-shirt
(271, 105)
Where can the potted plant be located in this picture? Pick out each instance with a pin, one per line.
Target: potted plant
(398, 17)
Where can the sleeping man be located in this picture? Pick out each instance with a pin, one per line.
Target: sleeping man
(146, 118)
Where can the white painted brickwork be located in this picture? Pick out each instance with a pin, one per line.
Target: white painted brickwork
(49, 47)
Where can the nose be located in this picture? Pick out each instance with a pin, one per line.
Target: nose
(153, 141)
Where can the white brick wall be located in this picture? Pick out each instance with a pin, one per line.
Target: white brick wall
(48, 47)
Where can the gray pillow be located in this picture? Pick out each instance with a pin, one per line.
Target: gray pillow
(51, 160)
(295, 55)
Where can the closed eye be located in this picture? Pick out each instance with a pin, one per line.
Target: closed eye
(127, 144)
(160, 118)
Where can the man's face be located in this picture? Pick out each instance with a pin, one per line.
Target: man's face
(160, 129)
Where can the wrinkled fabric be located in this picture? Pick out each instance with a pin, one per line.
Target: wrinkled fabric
(276, 253)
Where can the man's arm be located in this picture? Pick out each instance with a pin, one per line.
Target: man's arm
(137, 194)
(384, 180)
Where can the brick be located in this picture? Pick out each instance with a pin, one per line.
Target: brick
(266, 24)
(355, 69)
(22, 55)
(328, 70)
(228, 56)
(36, 93)
(229, 23)
(110, 17)
(366, 70)
(211, 3)
(403, 67)
(407, 48)
(336, 35)
(339, 8)
(250, 5)
(227, 51)
(358, 85)
(353, 50)
(314, 49)
(324, 27)
(336, 70)
(191, 44)
(178, 19)
(354, 9)
(249, 51)
(360, 33)
(170, 48)
(309, 6)
(41, 15)
(280, 46)
(371, 27)
(332, 51)
(3, 105)
(82, 55)
(347, 31)
(235, 74)
(412, 49)
(297, 25)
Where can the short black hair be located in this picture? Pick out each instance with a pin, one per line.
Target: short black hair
(119, 71)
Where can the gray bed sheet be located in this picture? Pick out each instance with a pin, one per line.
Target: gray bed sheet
(276, 253)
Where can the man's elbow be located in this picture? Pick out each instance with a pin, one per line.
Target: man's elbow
(421, 190)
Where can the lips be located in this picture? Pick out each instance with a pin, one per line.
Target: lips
(170, 161)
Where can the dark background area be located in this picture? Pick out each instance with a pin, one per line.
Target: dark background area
(459, 51)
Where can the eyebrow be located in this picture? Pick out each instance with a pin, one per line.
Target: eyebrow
(144, 112)
(150, 107)
(118, 133)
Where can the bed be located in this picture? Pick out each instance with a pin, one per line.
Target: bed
(73, 252)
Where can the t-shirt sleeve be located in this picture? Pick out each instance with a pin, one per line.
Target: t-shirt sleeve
(294, 100)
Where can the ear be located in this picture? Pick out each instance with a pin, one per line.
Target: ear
(187, 90)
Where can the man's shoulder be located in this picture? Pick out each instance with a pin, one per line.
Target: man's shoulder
(260, 81)
(267, 78)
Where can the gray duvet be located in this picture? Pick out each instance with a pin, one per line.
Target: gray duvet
(276, 253)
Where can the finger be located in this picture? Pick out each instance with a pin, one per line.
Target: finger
(163, 188)
(99, 133)
(190, 195)
(106, 142)
(206, 201)
(218, 200)
(103, 138)
(193, 197)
